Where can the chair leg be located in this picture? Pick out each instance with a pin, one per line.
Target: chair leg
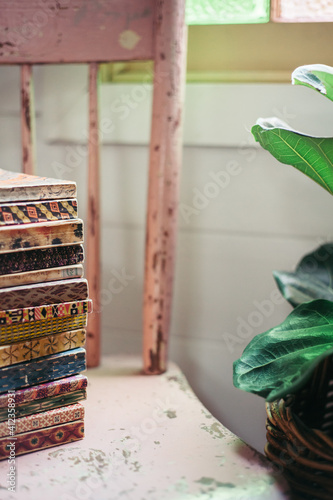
(164, 177)
(27, 120)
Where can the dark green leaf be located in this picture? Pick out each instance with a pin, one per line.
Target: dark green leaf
(280, 361)
(315, 76)
(313, 278)
(311, 155)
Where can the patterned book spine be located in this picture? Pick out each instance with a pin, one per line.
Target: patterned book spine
(43, 293)
(45, 404)
(41, 276)
(27, 213)
(28, 442)
(41, 420)
(16, 187)
(46, 390)
(26, 331)
(42, 370)
(42, 258)
(43, 346)
(46, 311)
(47, 234)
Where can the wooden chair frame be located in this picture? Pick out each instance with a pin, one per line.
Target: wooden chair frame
(91, 31)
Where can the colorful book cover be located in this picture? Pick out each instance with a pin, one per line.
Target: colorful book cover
(46, 390)
(37, 211)
(28, 442)
(46, 311)
(41, 276)
(43, 234)
(38, 294)
(44, 369)
(42, 258)
(39, 347)
(13, 427)
(32, 407)
(16, 187)
(18, 332)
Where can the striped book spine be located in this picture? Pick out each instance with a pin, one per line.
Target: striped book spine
(43, 369)
(41, 420)
(41, 439)
(41, 276)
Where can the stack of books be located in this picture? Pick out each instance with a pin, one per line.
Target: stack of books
(43, 314)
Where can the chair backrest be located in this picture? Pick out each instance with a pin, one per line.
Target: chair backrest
(94, 31)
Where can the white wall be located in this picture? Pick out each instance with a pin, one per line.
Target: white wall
(266, 217)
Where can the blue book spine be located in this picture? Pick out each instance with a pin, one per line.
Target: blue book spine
(43, 369)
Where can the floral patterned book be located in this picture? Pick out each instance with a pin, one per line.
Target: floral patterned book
(38, 347)
(17, 186)
(41, 439)
(13, 427)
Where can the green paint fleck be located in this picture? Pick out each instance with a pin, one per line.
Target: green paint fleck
(157, 442)
(209, 481)
(171, 414)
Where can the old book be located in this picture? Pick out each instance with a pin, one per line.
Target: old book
(43, 234)
(28, 442)
(37, 211)
(46, 390)
(16, 187)
(25, 331)
(46, 311)
(43, 293)
(14, 426)
(42, 258)
(41, 276)
(44, 369)
(32, 407)
(38, 347)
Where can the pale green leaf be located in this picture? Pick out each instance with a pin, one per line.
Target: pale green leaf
(311, 155)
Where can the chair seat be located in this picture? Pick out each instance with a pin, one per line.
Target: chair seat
(146, 438)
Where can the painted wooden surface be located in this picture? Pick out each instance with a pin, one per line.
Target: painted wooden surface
(54, 31)
(293, 11)
(164, 177)
(27, 120)
(93, 224)
(145, 437)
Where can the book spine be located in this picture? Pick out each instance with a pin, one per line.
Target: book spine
(43, 293)
(28, 442)
(41, 276)
(37, 211)
(48, 234)
(25, 331)
(43, 258)
(46, 311)
(70, 413)
(45, 404)
(44, 346)
(42, 370)
(48, 389)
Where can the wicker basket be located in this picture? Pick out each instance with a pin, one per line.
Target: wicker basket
(300, 436)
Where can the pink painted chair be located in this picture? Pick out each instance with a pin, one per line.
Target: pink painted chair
(51, 32)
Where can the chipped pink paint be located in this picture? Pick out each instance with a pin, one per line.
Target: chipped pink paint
(27, 120)
(164, 173)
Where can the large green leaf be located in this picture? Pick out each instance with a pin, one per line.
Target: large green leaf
(280, 361)
(313, 278)
(311, 155)
(315, 76)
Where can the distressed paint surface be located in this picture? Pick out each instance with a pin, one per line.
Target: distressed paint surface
(164, 177)
(27, 120)
(133, 450)
(93, 223)
(53, 31)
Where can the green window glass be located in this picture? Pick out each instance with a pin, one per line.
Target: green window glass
(227, 11)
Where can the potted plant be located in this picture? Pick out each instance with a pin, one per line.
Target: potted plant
(291, 365)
